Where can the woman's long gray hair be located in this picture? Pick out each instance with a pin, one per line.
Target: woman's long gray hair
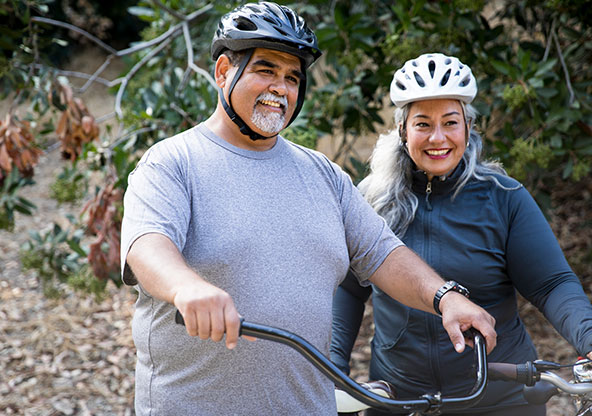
(388, 186)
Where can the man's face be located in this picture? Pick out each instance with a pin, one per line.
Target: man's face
(266, 94)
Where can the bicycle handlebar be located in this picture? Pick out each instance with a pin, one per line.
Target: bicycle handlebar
(426, 403)
(533, 371)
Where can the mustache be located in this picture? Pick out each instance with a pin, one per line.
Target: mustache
(280, 99)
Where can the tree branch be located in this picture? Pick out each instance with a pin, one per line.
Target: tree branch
(168, 10)
(190, 62)
(572, 95)
(75, 29)
(162, 41)
(133, 71)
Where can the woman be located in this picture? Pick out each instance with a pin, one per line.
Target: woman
(473, 224)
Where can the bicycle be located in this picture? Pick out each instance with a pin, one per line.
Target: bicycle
(540, 382)
(352, 396)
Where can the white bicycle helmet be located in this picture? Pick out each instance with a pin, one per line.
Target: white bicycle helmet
(433, 75)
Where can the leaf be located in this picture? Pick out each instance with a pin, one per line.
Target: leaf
(76, 248)
(545, 68)
(501, 67)
(140, 11)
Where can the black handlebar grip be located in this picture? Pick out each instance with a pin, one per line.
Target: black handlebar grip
(526, 374)
(522, 373)
(179, 318)
(502, 371)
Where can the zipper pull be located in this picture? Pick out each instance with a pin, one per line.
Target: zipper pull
(428, 193)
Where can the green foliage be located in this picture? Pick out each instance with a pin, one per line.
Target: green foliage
(11, 201)
(302, 136)
(527, 156)
(56, 255)
(532, 61)
(86, 282)
(69, 186)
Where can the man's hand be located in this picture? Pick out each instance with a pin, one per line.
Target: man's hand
(209, 312)
(459, 314)
(160, 268)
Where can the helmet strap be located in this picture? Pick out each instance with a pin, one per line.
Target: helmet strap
(243, 127)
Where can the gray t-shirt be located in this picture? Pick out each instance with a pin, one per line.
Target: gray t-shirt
(276, 230)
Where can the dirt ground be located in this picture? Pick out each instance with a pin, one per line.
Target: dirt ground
(75, 356)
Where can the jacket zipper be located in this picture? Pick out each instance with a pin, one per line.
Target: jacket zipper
(431, 320)
(428, 193)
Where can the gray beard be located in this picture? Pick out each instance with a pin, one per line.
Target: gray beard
(268, 122)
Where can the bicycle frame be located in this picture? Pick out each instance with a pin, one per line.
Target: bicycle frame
(428, 403)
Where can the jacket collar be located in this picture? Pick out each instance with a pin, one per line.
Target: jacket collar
(440, 184)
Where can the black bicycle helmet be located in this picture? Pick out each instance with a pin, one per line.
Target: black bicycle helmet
(266, 25)
(270, 26)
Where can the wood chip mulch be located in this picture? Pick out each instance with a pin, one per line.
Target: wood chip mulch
(71, 356)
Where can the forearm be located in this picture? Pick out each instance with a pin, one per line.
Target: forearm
(407, 278)
(569, 310)
(207, 310)
(159, 266)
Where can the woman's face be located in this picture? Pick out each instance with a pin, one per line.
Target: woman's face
(436, 135)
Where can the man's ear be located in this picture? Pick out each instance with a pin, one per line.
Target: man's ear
(222, 70)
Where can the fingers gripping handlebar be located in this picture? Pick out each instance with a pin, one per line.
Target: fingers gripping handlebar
(426, 403)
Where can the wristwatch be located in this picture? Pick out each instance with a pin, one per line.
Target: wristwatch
(446, 287)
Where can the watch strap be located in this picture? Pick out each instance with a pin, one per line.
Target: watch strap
(445, 288)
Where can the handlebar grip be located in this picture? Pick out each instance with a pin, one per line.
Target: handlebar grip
(522, 373)
(179, 318)
(502, 371)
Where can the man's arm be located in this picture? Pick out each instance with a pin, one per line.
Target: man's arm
(160, 268)
(407, 278)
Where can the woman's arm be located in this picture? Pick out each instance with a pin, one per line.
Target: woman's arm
(348, 312)
(540, 272)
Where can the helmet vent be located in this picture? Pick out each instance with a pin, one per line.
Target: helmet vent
(269, 20)
(400, 86)
(419, 79)
(242, 23)
(465, 82)
(447, 61)
(445, 78)
(432, 68)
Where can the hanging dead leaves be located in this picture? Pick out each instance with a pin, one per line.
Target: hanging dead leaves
(104, 221)
(17, 147)
(76, 125)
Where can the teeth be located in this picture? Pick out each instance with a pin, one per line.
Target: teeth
(270, 103)
(437, 152)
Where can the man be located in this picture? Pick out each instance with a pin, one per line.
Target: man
(229, 217)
